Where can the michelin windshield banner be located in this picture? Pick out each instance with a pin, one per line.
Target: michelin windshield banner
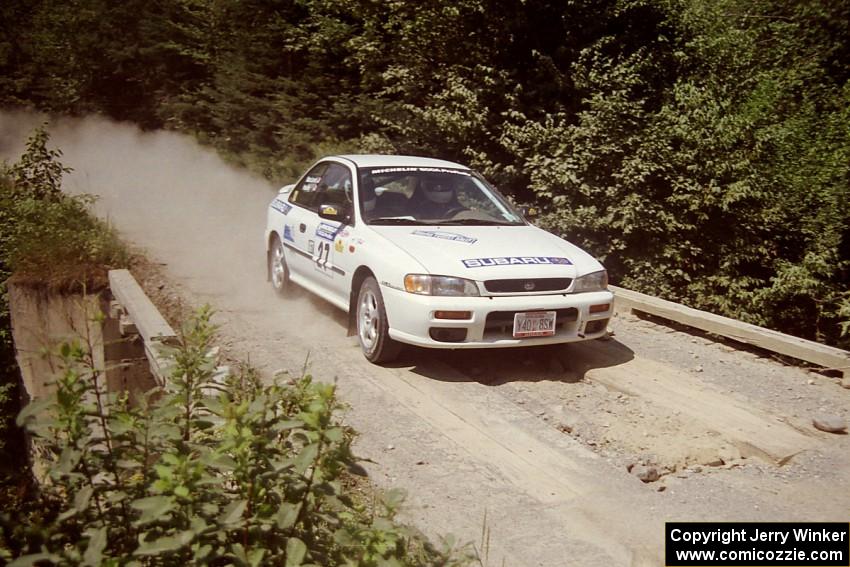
(762, 544)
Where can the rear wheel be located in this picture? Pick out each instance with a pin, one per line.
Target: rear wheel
(372, 326)
(278, 269)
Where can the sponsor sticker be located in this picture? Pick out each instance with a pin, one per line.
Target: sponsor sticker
(445, 236)
(515, 261)
(287, 233)
(281, 206)
(339, 245)
(311, 246)
(426, 169)
(326, 231)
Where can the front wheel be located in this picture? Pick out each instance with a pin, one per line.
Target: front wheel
(278, 269)
(372, 326)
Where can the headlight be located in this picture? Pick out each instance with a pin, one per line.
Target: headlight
(439, 285)
(597, 281)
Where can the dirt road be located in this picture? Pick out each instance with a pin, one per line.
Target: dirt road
(530, 446)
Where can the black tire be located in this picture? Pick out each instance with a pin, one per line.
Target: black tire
(372, 326)
(278, 270)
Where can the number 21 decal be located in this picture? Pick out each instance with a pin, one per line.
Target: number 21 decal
(323, 253)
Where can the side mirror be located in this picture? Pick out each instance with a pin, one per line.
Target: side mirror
(528, 211)
(334, 213)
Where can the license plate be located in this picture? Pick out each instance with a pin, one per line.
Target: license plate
(534, 324)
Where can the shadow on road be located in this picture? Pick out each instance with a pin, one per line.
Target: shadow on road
(566, 363)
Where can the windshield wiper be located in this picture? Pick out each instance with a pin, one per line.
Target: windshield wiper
(478, 222)
(395, 220)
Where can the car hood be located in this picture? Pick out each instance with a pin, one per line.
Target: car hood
(488, 252)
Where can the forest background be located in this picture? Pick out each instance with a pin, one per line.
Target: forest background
(699, 148)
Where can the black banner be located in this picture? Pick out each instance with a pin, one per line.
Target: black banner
(757, 544)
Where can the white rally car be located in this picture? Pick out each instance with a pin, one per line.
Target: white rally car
(425, 252)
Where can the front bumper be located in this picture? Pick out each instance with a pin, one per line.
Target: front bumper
(411, 318)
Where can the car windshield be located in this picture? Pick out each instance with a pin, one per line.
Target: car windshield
(431, 196)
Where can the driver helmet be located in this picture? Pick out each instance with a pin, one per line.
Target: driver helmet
(438, 189)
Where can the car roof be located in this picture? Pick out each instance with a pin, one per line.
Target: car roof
(379, 160)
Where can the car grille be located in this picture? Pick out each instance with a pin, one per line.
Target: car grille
(528, 285)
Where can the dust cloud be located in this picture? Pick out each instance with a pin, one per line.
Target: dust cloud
(178, 201)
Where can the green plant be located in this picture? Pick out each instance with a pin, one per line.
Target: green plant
(203, 472)
(38, 174)
(47, 236)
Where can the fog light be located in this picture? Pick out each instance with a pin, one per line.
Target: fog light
(593, 327)
(453, 315)
(600, 308)
(445, 335)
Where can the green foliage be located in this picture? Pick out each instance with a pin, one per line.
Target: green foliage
(276, 92)
(47, 236)
(216, 469)
(723, 184)
(39, 173)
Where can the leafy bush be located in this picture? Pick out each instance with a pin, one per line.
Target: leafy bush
(47, 236)
(215, 469)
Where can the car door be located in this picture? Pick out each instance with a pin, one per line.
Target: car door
(328, 256)
(298, 232)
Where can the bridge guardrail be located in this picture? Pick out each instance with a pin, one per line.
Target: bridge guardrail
(138, 314)
(828, 357)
